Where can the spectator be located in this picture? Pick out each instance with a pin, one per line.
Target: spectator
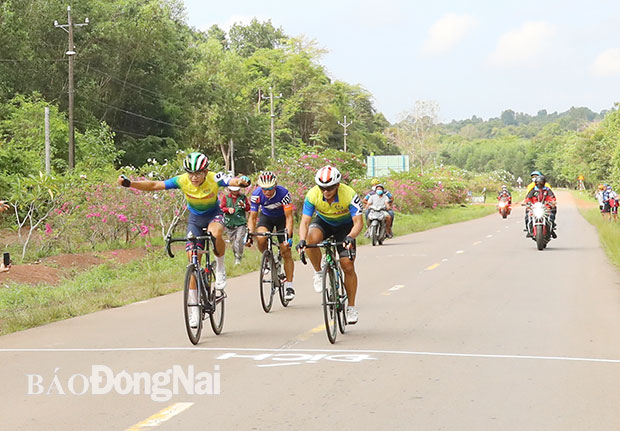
(235, 205)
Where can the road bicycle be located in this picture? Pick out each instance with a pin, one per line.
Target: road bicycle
(271, 276)
(210, 300)
(334, 295)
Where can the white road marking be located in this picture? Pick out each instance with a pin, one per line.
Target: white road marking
(279, 365)
(489, 236)
(396, 287)
(477, 243)
(460, 251)
(242, 349)
(160, 417)
(444, 260)
(433, 266)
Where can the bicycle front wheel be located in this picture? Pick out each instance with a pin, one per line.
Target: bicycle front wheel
(191, 305)
(267, 280)
(330, 303)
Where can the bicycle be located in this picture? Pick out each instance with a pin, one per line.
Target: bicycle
(334, 295)
(211, 301)
(271, 264)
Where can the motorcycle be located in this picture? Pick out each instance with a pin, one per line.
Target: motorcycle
(503, 206)
(539, 224)
(377, 227)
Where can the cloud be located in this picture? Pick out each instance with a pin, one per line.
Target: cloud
(523, 46)
(448, 31)
(607, 63)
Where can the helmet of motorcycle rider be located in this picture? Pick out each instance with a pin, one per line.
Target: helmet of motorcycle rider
(379, 189)
(601, 187)
(374, 182)
(504, 187)
(540, 181)
(535, 174)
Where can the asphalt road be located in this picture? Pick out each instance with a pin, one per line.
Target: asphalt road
(464, 327)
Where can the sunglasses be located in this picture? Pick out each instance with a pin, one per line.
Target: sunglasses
(268, 189)
(329, 188)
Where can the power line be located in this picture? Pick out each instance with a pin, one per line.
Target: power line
(117, 130)
(127, 83)
(138, 115)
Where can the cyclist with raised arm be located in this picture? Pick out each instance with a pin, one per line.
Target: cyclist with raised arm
(200, 187)
(276, 212)
(338, 214)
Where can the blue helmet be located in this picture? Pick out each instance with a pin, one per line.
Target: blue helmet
(535, 174)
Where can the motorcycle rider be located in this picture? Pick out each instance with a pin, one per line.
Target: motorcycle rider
(530, 186)
(372, 191)
(541, 193)
(381, 200)
(504, 194)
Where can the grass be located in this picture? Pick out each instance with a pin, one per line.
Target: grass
(109, 285)
(608, 231)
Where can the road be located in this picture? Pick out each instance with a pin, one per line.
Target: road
(464, 327)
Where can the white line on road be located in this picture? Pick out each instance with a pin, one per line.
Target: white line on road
(489, 236)
(433, 266)
(396, 287)
(477, 243)
(278, 365)
(161, 416)
(460, 251)
(246, 349)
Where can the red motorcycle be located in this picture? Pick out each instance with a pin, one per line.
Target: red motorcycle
(503, 207)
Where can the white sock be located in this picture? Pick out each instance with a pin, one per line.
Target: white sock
(288, 284)
(193, 296)
(318, 272)
(221, 267)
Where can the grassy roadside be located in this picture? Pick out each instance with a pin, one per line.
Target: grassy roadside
(608, 231)
(109, 286)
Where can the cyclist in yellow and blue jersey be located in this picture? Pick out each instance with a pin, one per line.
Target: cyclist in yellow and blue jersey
(200, 188)
(338, 214)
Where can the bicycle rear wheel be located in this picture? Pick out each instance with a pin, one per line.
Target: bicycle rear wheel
(342, 307)
(191, 277)
(267, 280)
(330, 302)
(281, 289)
(217, 300)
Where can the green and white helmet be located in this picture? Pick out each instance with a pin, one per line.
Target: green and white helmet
(195, 162)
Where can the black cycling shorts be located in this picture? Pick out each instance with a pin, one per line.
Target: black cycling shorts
(338, 232)
(271, 223)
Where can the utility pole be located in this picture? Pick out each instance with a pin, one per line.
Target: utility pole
(273, 116)
(345, 125)
(71, 54)
(48, 167)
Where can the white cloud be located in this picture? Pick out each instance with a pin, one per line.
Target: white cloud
(523, 46)
(447, 32)
(607, 63)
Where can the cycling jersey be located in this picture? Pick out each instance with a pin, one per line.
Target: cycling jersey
(341, 211)
(201, 200)
(271, 207)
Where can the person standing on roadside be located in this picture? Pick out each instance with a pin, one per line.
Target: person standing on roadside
(4, 207)
(235, 205)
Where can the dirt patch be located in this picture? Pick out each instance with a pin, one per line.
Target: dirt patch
(53, 269)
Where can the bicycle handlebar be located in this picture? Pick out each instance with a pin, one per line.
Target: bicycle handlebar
(323, 244)
(192, 239)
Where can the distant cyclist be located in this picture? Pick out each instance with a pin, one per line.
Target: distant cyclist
(338, 214)
(276, 213)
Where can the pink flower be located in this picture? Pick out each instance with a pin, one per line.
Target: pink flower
(48, 228)
(103, 220)
(144, 230)
(122, 218)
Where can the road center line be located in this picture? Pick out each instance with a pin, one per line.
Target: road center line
(433, 266)
(161, 416)
(396, 287)
(460, 251)
(282, 350)
(477, 243)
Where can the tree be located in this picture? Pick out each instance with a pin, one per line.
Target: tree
(247, 39)
(416, 134)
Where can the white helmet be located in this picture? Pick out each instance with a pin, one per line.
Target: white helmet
(327, 176)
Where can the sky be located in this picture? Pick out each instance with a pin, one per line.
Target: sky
(472, 58)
